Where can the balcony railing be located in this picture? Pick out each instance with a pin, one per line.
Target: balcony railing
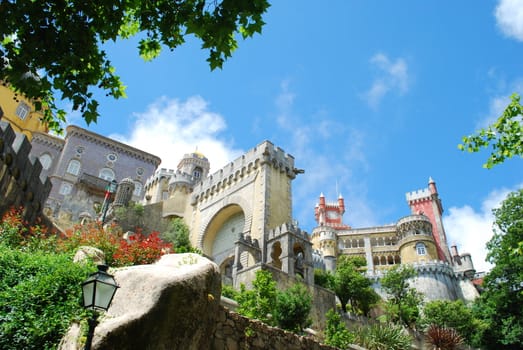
(94, 183)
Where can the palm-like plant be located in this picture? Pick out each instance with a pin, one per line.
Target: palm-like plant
(442, 338)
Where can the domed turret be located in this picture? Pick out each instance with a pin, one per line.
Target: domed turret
(195, 164)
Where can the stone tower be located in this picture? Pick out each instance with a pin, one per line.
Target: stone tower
(427, 202)
(194, 164)
(329, 217)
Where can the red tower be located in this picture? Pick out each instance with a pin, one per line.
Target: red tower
(330, 214)
(428, 203)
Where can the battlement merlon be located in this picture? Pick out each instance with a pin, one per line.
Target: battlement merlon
(287, 227)
(418, 195)
(159, 174)
(264, 153)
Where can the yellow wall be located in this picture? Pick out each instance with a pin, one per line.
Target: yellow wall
(280, 197)
(9, 101)
(409, 254)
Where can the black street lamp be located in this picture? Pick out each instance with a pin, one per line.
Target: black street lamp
(109, 190)
(98, 291)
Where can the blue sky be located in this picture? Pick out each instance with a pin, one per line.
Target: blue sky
(370, 97)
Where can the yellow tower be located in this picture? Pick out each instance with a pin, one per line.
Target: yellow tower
(416, 242)
(20, 112)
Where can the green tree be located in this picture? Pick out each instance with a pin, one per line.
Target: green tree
(260, 301)
(178, 234)
(404, 301)
(293, 307)
(451, 314)
(323, 279)
(52, 45)
(336, 333)
(500, 306)
(505, 135)
(352, 286)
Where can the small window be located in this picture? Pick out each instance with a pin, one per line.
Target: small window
(46, 161)
(65, 189)
(421, 249)
(197, 173)
(106, 174)
(140, 171)
(74, 167)
(137, 189)
(22, 110)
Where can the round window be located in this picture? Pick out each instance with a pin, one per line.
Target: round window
(112, 157)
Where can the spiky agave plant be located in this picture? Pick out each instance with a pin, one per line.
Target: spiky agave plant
(442, 338)
(383, 337)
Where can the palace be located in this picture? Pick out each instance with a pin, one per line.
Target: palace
(418, 239)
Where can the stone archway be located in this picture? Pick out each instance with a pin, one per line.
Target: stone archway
(222, 231)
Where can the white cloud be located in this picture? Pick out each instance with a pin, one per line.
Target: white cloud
(500, 101)
(392, 76)
(471, 229)
(169, 128)
(509, 17)
(310, 140)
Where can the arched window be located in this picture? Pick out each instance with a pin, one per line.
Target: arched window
(46, 161)
(197, 172)
(106, 174)
(421, 249)
(137, 188)
(65, 188)
(74, 167)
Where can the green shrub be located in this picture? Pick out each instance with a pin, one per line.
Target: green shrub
(323, 279)
(383, 337)
(451, 314)
(336, 333)
(293, 307)
(229, 292)
(260, 301)
(39, 297)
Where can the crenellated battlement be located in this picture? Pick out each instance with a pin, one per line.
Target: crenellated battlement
(414, 225)
(244, 166)
(287, 228)
(434, 266)
(158, 175)
(423, 194)
(22, 183)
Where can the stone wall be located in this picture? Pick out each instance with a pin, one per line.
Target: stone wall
(21, 181)
(235, 332)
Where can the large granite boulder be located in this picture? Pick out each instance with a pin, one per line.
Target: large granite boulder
(172, 304)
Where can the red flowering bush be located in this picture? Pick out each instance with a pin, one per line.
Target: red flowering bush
(93, 235)
(16, 233)
(136, 250)
(12, 228)
(139, 249)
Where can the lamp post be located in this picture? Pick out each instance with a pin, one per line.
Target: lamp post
(98, 291)
(109, 190)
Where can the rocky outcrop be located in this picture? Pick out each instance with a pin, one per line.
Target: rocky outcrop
(168, 305)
